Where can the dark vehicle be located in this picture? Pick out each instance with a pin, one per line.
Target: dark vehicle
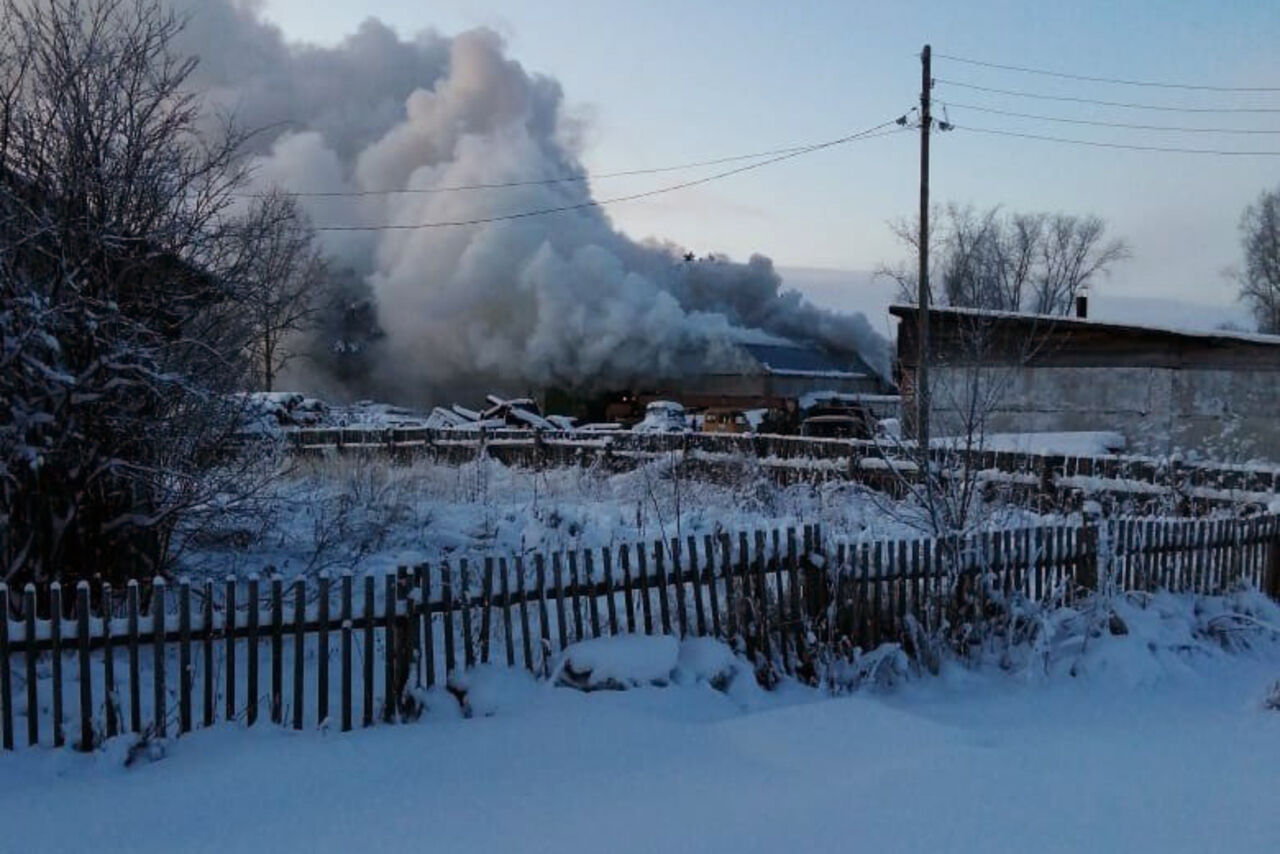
(842, 422)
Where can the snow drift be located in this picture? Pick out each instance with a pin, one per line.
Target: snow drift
(561, 299)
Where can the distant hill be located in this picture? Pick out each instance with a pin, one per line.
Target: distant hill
(862, 291)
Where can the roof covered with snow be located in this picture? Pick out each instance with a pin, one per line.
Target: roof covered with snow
(1068, 322)
(791, 358)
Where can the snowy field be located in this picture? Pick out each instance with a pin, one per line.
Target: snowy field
(364, 514)
(1160, 743)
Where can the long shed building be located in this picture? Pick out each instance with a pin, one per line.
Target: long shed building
(1211, 394)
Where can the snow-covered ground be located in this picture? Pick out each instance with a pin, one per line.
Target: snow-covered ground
(367, 514)
(1159, 744)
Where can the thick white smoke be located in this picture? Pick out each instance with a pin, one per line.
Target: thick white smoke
(563, 298)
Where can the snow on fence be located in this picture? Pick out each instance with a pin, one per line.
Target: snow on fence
(846, 458)
(163, 659)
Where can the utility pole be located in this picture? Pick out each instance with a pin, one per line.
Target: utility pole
(922, 309)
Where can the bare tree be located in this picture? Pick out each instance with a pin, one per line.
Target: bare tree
(1034, 262)
(1259, 281)
(120, 303)
(284, 272)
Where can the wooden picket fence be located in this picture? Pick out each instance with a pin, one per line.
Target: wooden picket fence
(163, 659)
(849, 458)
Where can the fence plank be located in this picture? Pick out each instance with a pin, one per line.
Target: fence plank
(206, 654)
(252, 691)
(793, 581)
(322, 651)
(916, 583)
(345, 654)
(464, 603)
(390, 676)
(446, 600)
(1197, 559)
(277, 650)
(33, 699)
(677, 579)
(877, 593)
(299, 649)
(928, 580)
(108, 663)
(55, 659)
(862, 592)
(135, 680)
(713, 592)
(740, 604)
(428, 623)
(611, 590)
(544, 629)
(694, 574)
(184, 656)
(159, 705)
(562, 623)
(526, 640)
(575, 584)
(777, 569)
(646, 602)
(486, 605)
(229, 651)
(660, 571)
(366, 662)
(592, 591)
(761, 605)
(86, 679)
(508, 641)
(904, 570)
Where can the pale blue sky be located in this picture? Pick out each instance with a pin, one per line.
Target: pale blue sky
(665, 82)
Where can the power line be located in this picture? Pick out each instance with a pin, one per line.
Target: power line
(869, 133)
(1133, 106)
(1107, 124)
(1123, 82)
(1100, 144)
(529, 182)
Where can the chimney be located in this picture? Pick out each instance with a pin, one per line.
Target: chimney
(1082, 304)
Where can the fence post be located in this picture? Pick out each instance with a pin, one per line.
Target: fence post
(86, 681)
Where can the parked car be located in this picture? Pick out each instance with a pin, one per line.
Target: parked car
(843, 422)
(663, 416)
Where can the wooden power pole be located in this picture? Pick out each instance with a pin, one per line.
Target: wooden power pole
(922, 310)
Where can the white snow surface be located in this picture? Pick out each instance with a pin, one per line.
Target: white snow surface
(1086, 443)
(364, 514)
(625, 660)
(1159, 744)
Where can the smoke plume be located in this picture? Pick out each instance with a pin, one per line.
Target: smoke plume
(559, 299)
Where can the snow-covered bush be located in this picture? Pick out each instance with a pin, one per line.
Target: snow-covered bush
(123, 270)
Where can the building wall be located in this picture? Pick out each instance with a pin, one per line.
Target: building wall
(1224, 414)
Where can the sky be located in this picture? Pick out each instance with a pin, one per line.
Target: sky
(665, 82)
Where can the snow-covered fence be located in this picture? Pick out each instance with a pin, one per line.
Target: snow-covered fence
(164, 659)
(788, 458)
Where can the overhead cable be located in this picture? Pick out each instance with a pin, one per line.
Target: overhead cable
(1115, 80)
(1125, 104)
(1094, 123)
(1131, 147)
(869, 133)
